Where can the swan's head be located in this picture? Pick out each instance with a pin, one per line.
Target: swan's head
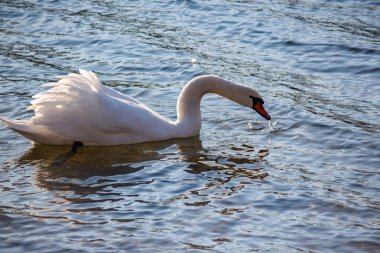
(251, 98)
(257, 105)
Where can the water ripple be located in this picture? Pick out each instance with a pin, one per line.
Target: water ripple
(306, 181)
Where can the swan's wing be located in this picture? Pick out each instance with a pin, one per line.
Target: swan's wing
(94, 79)
(78, 107)
(91, 80)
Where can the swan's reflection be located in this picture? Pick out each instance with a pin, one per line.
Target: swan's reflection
(94, 170)
(53, 162)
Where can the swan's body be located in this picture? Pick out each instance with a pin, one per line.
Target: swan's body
(79, 108)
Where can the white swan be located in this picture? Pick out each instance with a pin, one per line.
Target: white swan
(78, 108)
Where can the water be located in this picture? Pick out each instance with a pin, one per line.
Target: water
(308, 182)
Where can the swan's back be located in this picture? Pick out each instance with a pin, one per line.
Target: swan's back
(79, 108)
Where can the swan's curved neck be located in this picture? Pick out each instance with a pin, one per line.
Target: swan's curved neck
(189, 119)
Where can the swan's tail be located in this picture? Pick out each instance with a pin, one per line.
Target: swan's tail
(37, 134)
(16, 125)
(22, 127)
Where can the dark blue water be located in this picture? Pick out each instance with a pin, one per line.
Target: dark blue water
(309, 182)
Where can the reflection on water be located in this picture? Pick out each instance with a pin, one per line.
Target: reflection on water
(131, 187)
(56, 168)
(108, 160)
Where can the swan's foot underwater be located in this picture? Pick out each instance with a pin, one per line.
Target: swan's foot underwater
(61, 159)
(76, 145)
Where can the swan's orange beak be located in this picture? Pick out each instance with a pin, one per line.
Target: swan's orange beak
(259, 108)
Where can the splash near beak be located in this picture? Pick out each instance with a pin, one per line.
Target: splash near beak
(259, 108)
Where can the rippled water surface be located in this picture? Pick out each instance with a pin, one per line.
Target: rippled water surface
(306, 182)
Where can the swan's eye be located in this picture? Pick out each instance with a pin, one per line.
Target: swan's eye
(256, 100)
